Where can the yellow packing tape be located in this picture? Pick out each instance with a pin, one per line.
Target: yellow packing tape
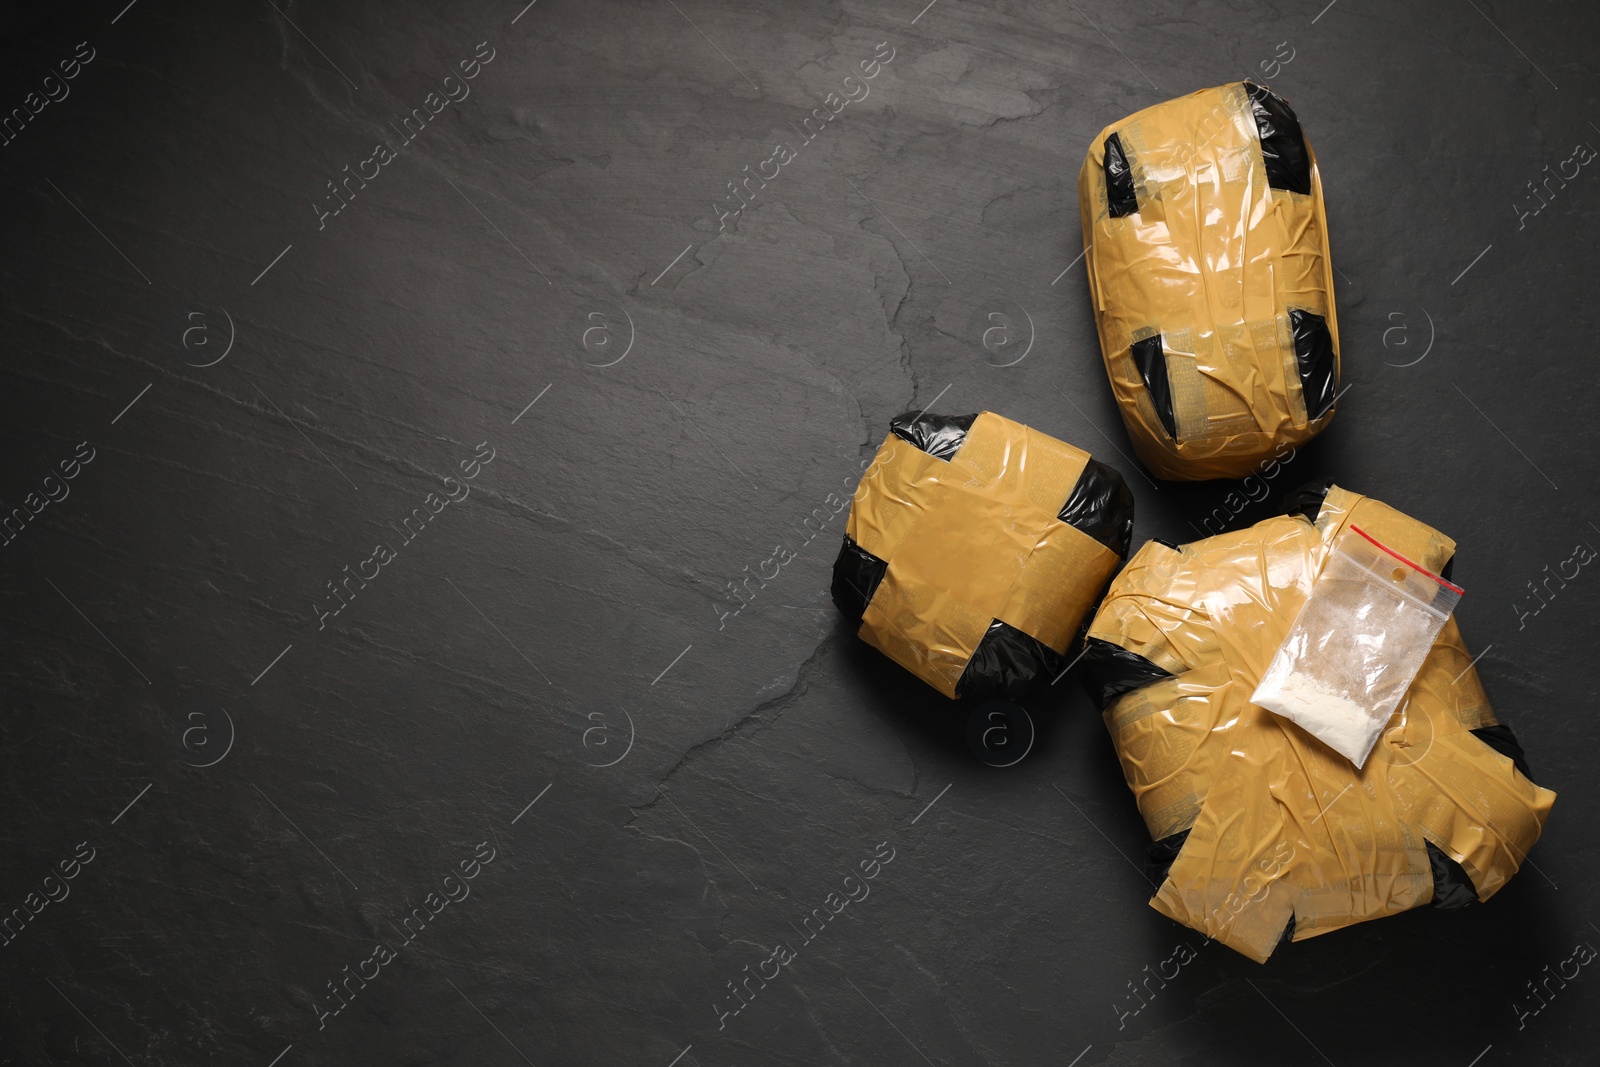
(1279, 824)
(971, 540)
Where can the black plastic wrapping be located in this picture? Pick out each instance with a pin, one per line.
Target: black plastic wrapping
(1307, 499)
(1500, 738)
(1108, 671)
(1007, 663)
(1452, 889)
(939, 436)
(1101, 505)
(1121, 200)
(1314, 356)
(856, 574)
(1151, 359)
(1283, 145)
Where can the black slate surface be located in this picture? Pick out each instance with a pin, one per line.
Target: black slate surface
(253, 792)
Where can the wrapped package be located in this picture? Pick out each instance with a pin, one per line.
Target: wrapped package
(1206, 250)
(976, 548)
(1259, 830)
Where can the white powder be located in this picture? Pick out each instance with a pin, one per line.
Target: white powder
(1355, 647)
(1328, 715)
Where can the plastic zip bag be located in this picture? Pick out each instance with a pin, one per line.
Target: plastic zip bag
(1356, 645)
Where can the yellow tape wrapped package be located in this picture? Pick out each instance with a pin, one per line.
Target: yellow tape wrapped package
(1212, 288)
(971, 540)
(1280, 825)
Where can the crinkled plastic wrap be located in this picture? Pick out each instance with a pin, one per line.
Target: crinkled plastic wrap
(1357, 644)
(1265, 828)
(1206, 249)
(975, 549)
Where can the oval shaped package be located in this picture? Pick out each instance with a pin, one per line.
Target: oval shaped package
(1206, 249)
